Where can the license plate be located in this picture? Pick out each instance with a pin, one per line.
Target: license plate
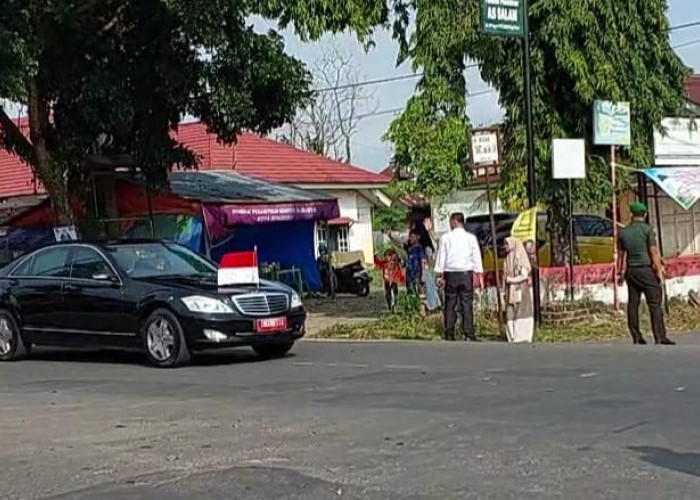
(271, 325)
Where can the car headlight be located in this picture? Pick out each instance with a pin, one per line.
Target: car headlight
(296, 301)
(199, 304)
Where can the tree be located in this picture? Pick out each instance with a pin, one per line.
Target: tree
(116, 77)
(581, 51)
(327, 123)
(430, 136)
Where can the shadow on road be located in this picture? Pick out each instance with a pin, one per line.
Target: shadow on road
(687, 463)
(105, 356)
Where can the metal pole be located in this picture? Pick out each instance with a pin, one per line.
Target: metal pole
(495, 249)
(150, 213)
(659, 239)
(571, 241)
(613, 177)
(531, 178)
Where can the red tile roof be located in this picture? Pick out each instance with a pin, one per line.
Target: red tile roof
(251, 155)
(693, 89)
(16, 177)
(271, 160)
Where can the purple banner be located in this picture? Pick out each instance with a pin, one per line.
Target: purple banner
(220, 218)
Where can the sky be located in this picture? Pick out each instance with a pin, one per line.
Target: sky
(380, 62)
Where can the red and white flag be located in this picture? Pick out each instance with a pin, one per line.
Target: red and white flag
(239, 268)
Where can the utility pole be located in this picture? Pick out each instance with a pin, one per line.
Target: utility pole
(511, 19)
(531, 175)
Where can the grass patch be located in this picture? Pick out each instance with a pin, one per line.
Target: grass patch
(409, 325)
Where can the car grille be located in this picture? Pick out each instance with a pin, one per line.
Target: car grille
(261, 304)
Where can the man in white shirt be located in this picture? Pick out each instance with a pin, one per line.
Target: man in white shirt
(458, 260)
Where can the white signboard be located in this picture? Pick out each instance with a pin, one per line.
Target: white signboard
(485, 147)
(568, 159)
(468, 202)
(677, 143)
(65, 233)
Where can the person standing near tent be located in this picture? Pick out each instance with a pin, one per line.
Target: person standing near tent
(640, 266)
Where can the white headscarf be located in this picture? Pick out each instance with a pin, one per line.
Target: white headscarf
(517, 259)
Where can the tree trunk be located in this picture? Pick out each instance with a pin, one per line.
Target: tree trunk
(49, 172)
(559, 239)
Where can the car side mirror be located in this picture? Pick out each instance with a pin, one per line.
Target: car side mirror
(107, 278)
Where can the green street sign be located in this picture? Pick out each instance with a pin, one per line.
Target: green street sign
(502, 17)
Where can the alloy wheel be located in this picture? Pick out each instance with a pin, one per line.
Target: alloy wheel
(6, 336)
(160, 339)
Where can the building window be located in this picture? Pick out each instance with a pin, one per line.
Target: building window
(321, 235)
(343, 235)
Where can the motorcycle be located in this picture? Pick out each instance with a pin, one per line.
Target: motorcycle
(351, 278)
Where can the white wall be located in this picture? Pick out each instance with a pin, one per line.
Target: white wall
(680, 229)
(358, 208)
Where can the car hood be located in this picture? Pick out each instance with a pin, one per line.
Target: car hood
(192, 285)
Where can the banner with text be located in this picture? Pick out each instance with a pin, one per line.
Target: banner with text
(682, 184)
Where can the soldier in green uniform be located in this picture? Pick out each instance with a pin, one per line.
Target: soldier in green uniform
(640, 265)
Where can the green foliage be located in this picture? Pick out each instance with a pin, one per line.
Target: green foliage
(408, 305)
(430, 136)
(391, 218)
(413, 326)
(116, 76)
(581, 51)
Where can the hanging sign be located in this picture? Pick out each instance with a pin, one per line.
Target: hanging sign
(486, 154)
(502, 17)
(612, 124)
(682, 184)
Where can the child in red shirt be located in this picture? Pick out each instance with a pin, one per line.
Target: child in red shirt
(392, 274)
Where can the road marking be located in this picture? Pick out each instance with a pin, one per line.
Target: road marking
(346, 365)
(403, 367)
(331, 365)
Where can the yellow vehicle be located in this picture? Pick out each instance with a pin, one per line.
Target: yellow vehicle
(594, 237)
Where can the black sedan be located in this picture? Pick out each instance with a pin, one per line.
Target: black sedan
(156, 296)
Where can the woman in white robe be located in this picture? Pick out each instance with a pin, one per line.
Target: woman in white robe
(520, 323)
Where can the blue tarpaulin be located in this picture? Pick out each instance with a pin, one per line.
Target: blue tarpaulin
(183, 229)
(17, 241)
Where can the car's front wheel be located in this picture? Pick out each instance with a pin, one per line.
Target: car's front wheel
(12, 346)
(272, 351)
(164, 340)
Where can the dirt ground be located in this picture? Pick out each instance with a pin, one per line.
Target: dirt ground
(324, 312)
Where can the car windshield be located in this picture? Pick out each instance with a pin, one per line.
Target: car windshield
(160, 260)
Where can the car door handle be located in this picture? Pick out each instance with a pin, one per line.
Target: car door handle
(68, 287)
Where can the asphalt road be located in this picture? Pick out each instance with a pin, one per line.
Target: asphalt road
(357, 421)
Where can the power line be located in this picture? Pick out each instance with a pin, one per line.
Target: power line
(411, 76)
(684, 26)
(399, 110)
(686, 44)
(371, 82)
(389, 79)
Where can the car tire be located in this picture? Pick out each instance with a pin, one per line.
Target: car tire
(273, 351)
(164, 340)
(12, 346)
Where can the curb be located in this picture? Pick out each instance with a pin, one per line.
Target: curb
(320, 340)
